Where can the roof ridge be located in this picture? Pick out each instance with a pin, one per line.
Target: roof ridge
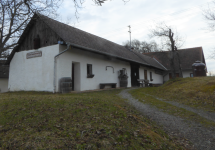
(177, 50)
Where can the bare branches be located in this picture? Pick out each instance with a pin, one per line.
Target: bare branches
(15, 14)
(209, 15)
(99, 2)
(171, 41)
(212, 54)
(144, 47)
(162, 31)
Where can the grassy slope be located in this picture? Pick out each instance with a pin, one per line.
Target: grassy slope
(194, 92)
(98, 120)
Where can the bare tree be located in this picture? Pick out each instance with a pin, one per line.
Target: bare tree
(170, 41)
(142, 46)
(14, 16)
(209, 15)
(210, 73)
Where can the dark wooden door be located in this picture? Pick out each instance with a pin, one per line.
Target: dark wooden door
(145, 74)
(170, 75)
(134, 75)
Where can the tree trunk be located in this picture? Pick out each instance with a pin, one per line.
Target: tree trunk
(172, 53)
(179, 62)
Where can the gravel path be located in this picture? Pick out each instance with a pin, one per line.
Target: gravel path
(201, 137)
(207, 115)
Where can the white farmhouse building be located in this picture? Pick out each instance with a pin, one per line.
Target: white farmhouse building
(187, 57)
(49, 51)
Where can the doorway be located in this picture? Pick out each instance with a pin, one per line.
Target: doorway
(145, 74)
(76, 76)
(134, 75)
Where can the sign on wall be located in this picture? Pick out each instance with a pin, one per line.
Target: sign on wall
(34, 54)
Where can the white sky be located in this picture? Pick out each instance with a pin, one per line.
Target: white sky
(111, 20)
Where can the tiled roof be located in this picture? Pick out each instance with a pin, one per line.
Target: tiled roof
(84, 39)
(187, 57)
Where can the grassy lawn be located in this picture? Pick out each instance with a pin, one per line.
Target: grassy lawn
(97, 120)
(194, 92)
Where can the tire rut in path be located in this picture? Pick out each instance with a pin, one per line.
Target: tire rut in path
(202, 138)
(205, 114)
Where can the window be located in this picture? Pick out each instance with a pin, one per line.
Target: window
(191, 75)
(151, 76)
(89, 71)
(176, 75)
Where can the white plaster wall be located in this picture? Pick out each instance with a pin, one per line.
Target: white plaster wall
(34, 74)
(157, 79)
(99, 63)
(186, 73)
(3, 85)
(166, 77)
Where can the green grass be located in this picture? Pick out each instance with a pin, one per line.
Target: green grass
(97, 120)
(194, 92)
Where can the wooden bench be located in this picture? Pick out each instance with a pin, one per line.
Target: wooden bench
(102, 85)
(144, 82)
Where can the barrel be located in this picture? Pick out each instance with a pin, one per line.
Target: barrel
(65, 85)
(123, 81)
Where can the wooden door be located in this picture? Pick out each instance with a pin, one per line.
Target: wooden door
(177, 75)
(134, 75)
(170, 75)
(145, 74)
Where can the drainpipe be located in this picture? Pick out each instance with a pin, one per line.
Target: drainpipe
(55, 61)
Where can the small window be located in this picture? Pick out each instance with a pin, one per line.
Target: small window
(151, 76)
(191, 75)
(89, 71)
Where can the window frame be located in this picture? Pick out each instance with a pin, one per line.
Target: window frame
(151, 76)
(90, 71)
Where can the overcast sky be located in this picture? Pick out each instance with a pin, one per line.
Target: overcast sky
(111, 20)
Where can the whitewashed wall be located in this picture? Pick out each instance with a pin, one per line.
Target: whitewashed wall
(166, 77)
(157, 79)
(186, 73)
(34, 74)
(3, 85)
(99, 63)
